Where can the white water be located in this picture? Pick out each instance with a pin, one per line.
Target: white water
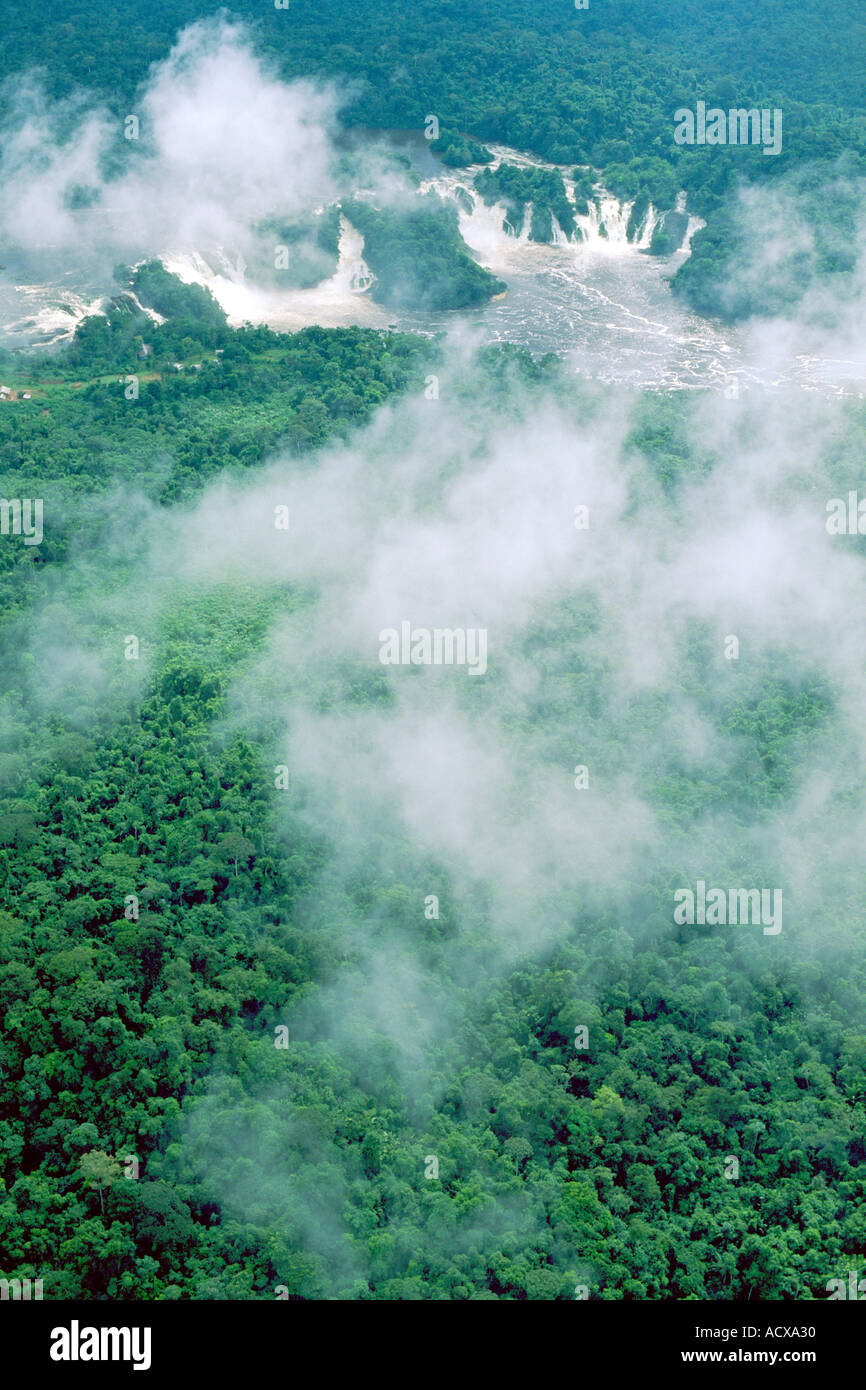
(604, 228)
(144, 309)
(695, 224)
(559, 237)
(645, 231)
(335, 303)
(598, 299)
(42, 315)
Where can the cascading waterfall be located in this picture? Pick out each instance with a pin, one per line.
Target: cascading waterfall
(614, 219)
(340, 299)
(695, 224)
(191, 267)
(144, 308)
(604, 227)
(481, 226)
(589, 223)
(646, 229)
(352, 271)
(559, 237)
(599, 239)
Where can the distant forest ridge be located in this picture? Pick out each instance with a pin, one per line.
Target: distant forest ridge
(596, 86)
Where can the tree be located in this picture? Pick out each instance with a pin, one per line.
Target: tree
(237, 848)
(99, 1170)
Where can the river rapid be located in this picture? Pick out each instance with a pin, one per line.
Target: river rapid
(601, 301)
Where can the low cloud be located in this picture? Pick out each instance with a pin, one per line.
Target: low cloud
(221, 143)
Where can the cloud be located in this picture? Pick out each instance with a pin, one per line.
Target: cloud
(222, 143)
(798, 266)
(606, 646)
(606, 649)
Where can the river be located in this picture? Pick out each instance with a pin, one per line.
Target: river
(602, 302)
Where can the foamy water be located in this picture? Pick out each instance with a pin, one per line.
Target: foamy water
(597, 299)
(337, 302)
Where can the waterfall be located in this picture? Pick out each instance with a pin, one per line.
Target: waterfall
(589, 223)
(352, 271)
(190, 267)
(695, 224)
(605, 226)
(614, 219)
(144, 309)
(482, 227)
(646, 229)
(559, 237)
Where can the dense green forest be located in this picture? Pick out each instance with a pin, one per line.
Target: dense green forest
(322, 980)
(572, 86)
(178, 1118)
(460, 151)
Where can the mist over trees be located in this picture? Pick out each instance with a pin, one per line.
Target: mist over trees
(328, 978)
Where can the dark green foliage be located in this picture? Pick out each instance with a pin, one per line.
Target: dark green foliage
(267, 390)
(639, 210)
(816, 222)
(151, 1035)
(668, 233)
(644, 178)
(186, 305)
(154, 1036)
(597, 87)
(518, 185)
(459, 151)
(419, 258)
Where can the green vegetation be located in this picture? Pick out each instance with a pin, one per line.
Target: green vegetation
(651, 179)
(668, 233)
(78, 434)
(518, 185)
(419, 257)
(459, 151)
(233, 1043)
(190, 307)
(584, 190)
(596, 87)
(814, 220)
(153, 1035)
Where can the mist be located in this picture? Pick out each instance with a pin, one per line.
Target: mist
(216, 144)
(459, 513)
(654, 578)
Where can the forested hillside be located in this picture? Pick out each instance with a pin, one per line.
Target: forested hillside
(333, 974)
(181, 1115)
